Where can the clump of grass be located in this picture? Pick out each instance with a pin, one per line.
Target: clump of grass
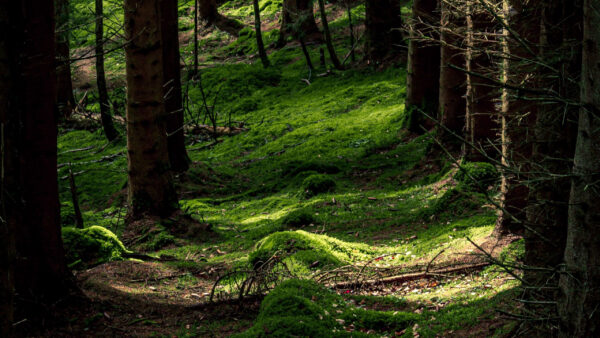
(91, 246)
(317, 184)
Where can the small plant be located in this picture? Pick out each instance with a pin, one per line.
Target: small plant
(317, 184)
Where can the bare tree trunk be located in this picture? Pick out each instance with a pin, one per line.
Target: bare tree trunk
(259, 40)
(422, 84)
(105, 116)
(209, 12)
(580, 285)
(351, 29)
(64, 90)
(383, 23)
(178, 157)
(306, 53)
(452, 81)
(194, 71)
(332, 55)
(482, 92)
(150, 188)
(29, 152)
(301, 12)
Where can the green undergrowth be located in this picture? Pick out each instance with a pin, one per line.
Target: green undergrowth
(304, 308)
(91, 246)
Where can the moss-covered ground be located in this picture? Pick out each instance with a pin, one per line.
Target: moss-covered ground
(323, 176)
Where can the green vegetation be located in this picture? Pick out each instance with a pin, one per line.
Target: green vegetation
(91, 246)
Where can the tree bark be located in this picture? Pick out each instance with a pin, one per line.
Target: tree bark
(195, 70)
(150, 187)
(580, 285)
(452, 81)
(383, 36)
(332, 54)
(64, 91)
(422, 84)
(351, 29)
(259, 40)
(209, 12)
(178, 157)
(29, 128)
(105, 116)
(297, 17)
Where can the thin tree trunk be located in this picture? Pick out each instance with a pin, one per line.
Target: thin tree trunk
(452, 81)
(105, 115)
(64, 91)
(351, 29)
(580, 285)
(422, 84)
(29, 152)
(150, 187)
(306, 53)
(178, 157)
(383, 22)
(332, 55)
(259, 40)
(195, 70)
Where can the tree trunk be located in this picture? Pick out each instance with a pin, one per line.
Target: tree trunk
(105, 116)
(195, 70)
(422, 84)
(351, 29)
(150, 187)
(29, 128)
(259, 40)
(553, 145)
(301, 12)
(518, 113)
(64, 91)
(178, 157)
(452, 81)
(383, 24)
(580, 285)
(332, 55)
(482, 93)
(209, 12)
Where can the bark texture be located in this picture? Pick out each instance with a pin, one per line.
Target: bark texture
(259, 40)
(64, 91)
(422, 85)
(297, 18)
(150, 187)
(383, 22)
(332, 54)
(178, 157)
(105, 116)
(580, 286)
(29, 152)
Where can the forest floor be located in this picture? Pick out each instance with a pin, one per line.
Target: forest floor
(321, 191)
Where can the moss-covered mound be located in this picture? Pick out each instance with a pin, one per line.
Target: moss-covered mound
(317, 184)
(91, 246)
(301, 308)
(298, 218)
(305, 250)
(477, 174)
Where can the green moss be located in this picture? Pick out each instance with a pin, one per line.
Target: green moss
(317, 184)
(477, 174)
(513, 253)
(91, 246)
(303, 250)
(298, 218)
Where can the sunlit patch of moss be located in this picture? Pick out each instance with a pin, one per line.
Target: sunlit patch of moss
(91, 246)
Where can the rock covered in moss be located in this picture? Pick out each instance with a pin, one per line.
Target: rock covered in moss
(317, 184)
(91, 246)
(474, 174)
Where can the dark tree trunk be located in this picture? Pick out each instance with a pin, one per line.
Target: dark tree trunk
(195, 70)
(29, 128)
(553, 146)
(64, 91)
(178, 157)
(332, 54)
(351, 29)
(422, 85)
(306, 53)
(300, 13)
(383, 36)
(580, 286)
(105, 116)
(209, 12)
(452, 81)
(259, 40)
(482, 92)
(150, 187)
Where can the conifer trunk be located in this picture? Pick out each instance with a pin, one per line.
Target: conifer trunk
(580, 285)
(332, 54)
(259, 40)
(105, 115)
(150, 187)
(423, 80)
(383, 24)
(173, 97)
(209, 12)
(64, 91)
(301, 12)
